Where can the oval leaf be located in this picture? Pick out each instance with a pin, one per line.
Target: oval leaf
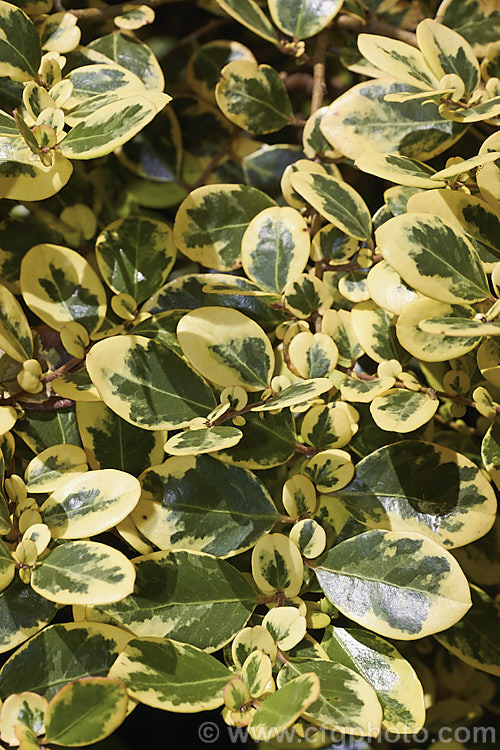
(209, 440)
(148, 384)
(20, 51)
(61, 653)
(60, 286)
(112, 443)
(172, 676)
(425, 488)
(281, 709)
(175, 509)
(83, 573)
(135, 255)
(347, 702)
(253, 97)
(90, 504)
(86, 711)
(337, 201)
(112, 126)
(424, 593)
(301, 19)
(433, 257)
(475, 638)
(54, 467)
(275, 247)
(227, 347)
(15, 334)
(400, 410)
(362, 116)
(188, 596)
(210, 223)
(392, 677)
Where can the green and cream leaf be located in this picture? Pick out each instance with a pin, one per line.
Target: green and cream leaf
(424, 592)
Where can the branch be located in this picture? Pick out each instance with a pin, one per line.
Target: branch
(225, 149)
(424, 389)
(319, 85)
(45, 379)
(90, 15)
(356, 26)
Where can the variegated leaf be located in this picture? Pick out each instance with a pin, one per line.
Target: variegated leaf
(312, 355)
(7, 566)
(131, 53)
(53, 467)
(59, 654)
(326, 426)
(391, 676)
(249, 14)
(306, 294)
(15, 334)
(275, 247)
(90, 503)
(446, 52)
(83, 573)
(337, 201)
(20, 51)
(474, 639)
(227, 347)
(423, 593)
(401, 410)
(95, 86)
(135, 255)
(433, 257)
(399, 60)
(253, 97)
(286, 625)
(22, 614)
(476, 21)
(387, 289)
(60, 286)
(399, 169)
(21, 178)
(173, 676)
(110, 442)
(277, 565)
(479, 221)
(148, 384)
(424, 488)
(210, 223)
(24, 710)
(283, 707)
(188, 596)
(431, 347)
(112, 125)
(205, 440)
(175, 510)
(297, 393)
(302, 19)
(347, 702)
(85, 711)
(362, 116)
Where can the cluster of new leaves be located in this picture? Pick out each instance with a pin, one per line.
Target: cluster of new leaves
(257, 408)
(81, 114)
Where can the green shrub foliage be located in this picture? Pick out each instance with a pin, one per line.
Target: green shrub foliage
(249, 365)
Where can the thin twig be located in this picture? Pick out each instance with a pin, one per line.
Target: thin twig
(190, 38)
(423, 389)
(355, 25)
(46, 379)
(225, 149)
(89, 15)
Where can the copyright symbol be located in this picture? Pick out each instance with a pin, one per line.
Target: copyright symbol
(208, 732)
